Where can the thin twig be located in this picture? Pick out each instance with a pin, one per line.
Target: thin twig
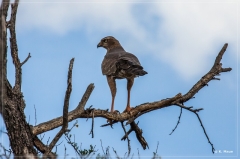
(116, 153)
(109, 124)
(213, 149)
(42, 136)
(48, 140)
(57, 146)
(177, 122)
(129, 146)
(65, 152)
(189, 108)
(35, 115)
(91, 132)
(157, 147)
(29, 55)
(102, 148)
(138, 154)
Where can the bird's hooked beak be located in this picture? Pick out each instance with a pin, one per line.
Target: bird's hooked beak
(99, 44)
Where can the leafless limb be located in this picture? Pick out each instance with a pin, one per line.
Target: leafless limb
(65, 152)
(14, 47)
(91, 132)
(213, 149)
(42, 147)
(54, 123)
(3, 52)
(177, 122)
(138, 154)
(65, 108)
(129, 146)
(35, 115)
(106, 154)
(26, 59)
(138, 132)
(109, 124)
(127, 133)
(157, 147)
(73, 144)
(102, 146)
(6, 153)
(4, 132)
(116, 153)
(57, 146)
(48, 140)
(42, 137)
(139, 136)
(195, 111)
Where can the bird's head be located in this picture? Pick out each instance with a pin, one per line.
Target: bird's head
(108, 43)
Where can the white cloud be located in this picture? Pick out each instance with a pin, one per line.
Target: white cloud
(187, 32)
(195, 29)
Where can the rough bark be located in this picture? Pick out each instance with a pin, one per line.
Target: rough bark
(19, 132)
(3, 51)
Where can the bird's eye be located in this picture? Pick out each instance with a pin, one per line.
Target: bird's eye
(105, 40)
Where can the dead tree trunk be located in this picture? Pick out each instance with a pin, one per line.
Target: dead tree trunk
(12, 102)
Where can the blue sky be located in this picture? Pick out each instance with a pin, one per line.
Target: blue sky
(176, 43)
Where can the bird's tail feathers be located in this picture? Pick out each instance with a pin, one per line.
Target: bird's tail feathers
(138, 71)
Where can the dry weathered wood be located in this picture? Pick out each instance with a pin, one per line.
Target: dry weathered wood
(52, 124)
(3, 52)
(139, 136)
(43, 148)
(65, 109)
(19, 132)
(215, 70)
(43, 127)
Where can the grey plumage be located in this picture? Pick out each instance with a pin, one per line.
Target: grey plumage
(119, 64)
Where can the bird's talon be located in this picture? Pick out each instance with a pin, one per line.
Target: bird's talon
(128, 109)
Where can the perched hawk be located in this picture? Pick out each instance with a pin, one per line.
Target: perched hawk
(119, 64)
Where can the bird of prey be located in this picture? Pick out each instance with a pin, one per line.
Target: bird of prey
(119, 64)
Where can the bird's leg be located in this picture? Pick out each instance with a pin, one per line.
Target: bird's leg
(112, 86)
(130, 82)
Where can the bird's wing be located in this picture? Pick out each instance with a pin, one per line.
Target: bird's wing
(127, 60)
(109, 63)
(121, 63)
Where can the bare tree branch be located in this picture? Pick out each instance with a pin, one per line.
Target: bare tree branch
(29, 55)
(129, 146)
(139, 136)
(42, 147)
(52, 124)
(65, 108)
(14, 47)
(177, 122)
(214, 71)
(102, 113)
(91, 132)
(213, 149)
(3, 52)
